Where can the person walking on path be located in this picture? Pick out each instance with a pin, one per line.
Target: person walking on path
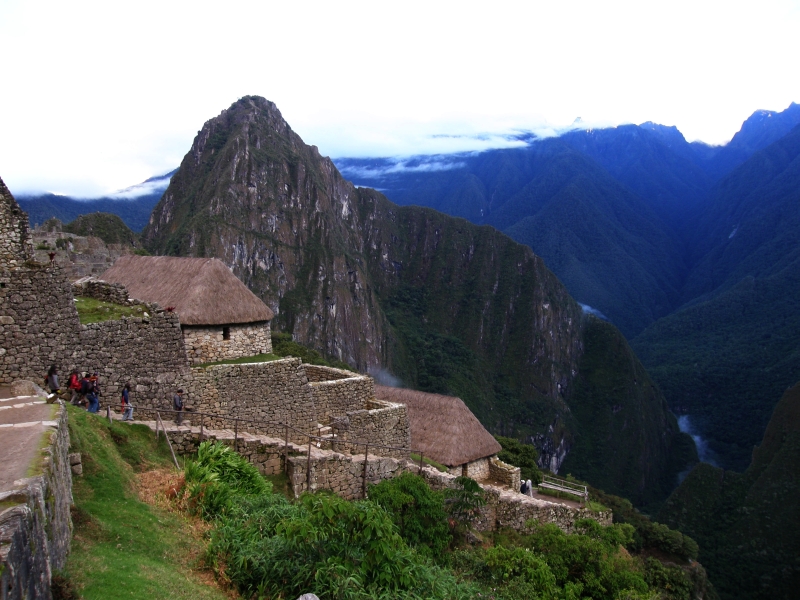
(52, 381)
(177, 404)
(94, 394)
(127, 407)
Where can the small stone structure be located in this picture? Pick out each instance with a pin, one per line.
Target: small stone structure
(221, 319)
(91, 287)
(35, 522)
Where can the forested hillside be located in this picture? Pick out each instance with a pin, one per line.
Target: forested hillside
(748, 525)
(690, 250)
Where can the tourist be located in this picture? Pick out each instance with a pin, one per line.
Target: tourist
(52, 381)
(127, 407)
(177, 405)
(529, 485)
(85, 389)
(74, 385)
(94, 394)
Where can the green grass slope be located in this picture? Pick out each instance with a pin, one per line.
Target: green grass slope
(122, 547)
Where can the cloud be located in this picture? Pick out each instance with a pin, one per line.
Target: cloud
(153, 185)
(592, 311)
(379, 168)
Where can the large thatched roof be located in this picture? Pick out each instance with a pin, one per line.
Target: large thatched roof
(442, 427)
(203, 290)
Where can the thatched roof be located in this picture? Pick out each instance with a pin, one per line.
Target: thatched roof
(442, 427)
(203, 290)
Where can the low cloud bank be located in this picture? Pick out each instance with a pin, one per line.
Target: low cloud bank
(592, 311)
(704, 453)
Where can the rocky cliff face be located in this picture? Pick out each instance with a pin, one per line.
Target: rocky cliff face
(445, 305)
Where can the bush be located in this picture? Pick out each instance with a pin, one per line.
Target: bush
(416, 510)
(520, 455)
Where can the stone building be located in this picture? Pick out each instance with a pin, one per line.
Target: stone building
(446, 431)
(220, 318)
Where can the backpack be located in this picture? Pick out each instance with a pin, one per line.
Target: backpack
(86, 386)
(73, 382)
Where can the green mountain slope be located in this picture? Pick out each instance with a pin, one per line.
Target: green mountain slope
(748, 525)
(445, 305)
(724, 357)
(106, 226)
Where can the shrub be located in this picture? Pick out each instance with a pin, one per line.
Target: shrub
(417, 510)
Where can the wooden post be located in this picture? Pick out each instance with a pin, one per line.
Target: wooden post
(177, 466)
(308, 467)
(158, 418)
(201, 430)
(108, 413)
(235, 431)
(366, 453)
(420, 461)
(286, 448)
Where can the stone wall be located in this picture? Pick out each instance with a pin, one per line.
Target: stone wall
(504, 474)
(35, 522)
(146, 352)
(39, 325)
(15, 238)
(276, 391)
(379, 424)
(215, 343)
(316, 373)
(342, 393)
(79, 256)
(102, 290)
(343, 474)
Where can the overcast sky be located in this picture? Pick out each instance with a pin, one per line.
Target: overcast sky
(97, 96)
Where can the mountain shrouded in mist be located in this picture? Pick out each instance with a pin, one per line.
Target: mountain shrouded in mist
(445, 305)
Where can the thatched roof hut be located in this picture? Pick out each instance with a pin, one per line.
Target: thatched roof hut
(203, 291)
(442, 427)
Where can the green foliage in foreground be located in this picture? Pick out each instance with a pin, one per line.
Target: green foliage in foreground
(520, 455)
(270, 547)
(284, 345)
(91, 310)
(416, 510)
(121, 547)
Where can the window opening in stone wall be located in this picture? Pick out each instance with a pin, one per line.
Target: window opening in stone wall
(226, 333)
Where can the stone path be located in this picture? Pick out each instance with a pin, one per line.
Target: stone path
(24, 420)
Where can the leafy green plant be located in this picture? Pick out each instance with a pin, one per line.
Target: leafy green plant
(416, 510)
(464, 501)
(520, 455)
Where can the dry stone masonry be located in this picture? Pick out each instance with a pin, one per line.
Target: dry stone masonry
(344, 474)
(35, 522)
(206, 344)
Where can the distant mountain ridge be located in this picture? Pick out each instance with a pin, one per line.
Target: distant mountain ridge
(662, 236)
(447, 306)
(133, 204)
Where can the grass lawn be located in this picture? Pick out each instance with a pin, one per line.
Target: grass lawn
(123, 547)
(91, 310)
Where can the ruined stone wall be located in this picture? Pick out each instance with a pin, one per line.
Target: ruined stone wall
(15, 238)
(35, 522)
(342, 393)
(39, 325)
(504, 474)
(276, 391)
(209, 344)
(146, 352)
(102, 290)
(343, 474)
(316, 373)
(379, 424)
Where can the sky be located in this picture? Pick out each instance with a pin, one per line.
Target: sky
(97, 96)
